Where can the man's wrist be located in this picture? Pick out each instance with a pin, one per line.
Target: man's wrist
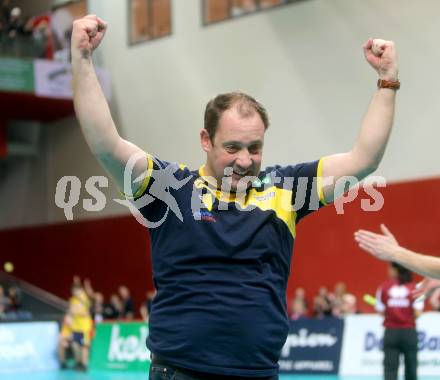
(392, 74)
(80, 61)
(81, 56)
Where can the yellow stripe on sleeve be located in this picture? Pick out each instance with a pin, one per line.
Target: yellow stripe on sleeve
(146, 181)
(320, 187)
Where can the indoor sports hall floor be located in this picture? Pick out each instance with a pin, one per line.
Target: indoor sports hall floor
(71, 375)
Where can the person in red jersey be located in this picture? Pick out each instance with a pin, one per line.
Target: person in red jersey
(396, 301)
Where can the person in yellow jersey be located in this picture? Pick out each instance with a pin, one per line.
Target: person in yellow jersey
(82, 325)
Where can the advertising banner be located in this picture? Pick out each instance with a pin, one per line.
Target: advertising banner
(120, 347)
(362, 349)
(54, 79)
(312, 347)
(28, 347)
(362, 345)
(16, 75)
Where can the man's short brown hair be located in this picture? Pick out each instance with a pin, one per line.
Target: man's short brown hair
(246, 106)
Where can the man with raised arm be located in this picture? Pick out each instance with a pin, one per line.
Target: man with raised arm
(221, 257)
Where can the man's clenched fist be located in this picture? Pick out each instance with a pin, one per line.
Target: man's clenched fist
(382, 58)
(87, 34)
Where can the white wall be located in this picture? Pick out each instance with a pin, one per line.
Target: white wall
(69, 155)
(28, 185)
(304, 61)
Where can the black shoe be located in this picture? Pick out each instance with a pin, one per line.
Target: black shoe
(81, 367)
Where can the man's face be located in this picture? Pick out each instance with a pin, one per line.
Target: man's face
(237, 145)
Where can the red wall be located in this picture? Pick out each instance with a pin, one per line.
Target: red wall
(116, 251)
(325, 252)
(110, 252)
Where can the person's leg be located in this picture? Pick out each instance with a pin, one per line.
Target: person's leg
(78, 345)
(410, 353)
(85, 356)
(85, 348)
(76, 352)
(62, 347)
(391, 354)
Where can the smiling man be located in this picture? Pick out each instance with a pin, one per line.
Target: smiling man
(233, 136)
(221, 259)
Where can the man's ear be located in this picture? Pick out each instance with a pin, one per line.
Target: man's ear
(205, 140)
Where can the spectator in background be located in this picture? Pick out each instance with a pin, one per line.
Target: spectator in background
(16, 25)
(396, 301)
(150, 297)
(145, 308)
(342, 303)
(299, 310)
(349, 304)
(299, 303)
(322, 306)
(3, 303)
(336, 298)
(113, 310)
(14, 299)
(300, 295)
(40, 27)
(127, 303)
(338, 293)
(337, 308)
(98, 308)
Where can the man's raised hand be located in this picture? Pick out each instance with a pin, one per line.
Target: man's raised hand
(385, 62)
(87, 34)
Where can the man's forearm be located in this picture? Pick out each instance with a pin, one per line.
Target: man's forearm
(375, 130)
(91, 108)
(425, 265)
(368, 150)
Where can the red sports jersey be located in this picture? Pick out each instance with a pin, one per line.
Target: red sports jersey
(398, 304)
